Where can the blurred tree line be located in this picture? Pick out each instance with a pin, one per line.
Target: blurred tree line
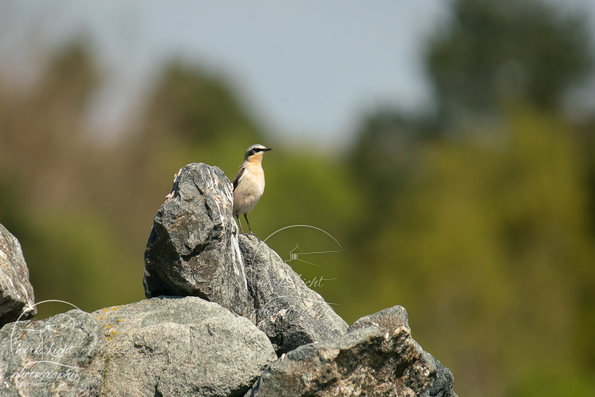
(478, 216)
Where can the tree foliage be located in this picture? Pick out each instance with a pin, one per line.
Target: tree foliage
(492, 244)
(493, 51)
(481, 214)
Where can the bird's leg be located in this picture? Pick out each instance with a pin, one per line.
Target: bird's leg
(251, 232)
(240, 223)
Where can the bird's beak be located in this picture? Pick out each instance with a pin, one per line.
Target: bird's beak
(267, 149)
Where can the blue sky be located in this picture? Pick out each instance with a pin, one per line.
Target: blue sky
(309, 70)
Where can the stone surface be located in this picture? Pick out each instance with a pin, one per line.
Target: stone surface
(180, 347)
(193, 249)
(16, 293)
(289, 312)
(376, 357)
(63, 355)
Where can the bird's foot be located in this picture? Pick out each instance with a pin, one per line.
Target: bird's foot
(252, 234)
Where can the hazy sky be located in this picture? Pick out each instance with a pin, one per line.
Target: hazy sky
(305, 68)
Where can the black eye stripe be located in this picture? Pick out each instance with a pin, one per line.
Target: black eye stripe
(256, 150)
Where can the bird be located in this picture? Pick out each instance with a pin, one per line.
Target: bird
(248, 185)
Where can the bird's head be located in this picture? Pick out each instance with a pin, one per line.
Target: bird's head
(255, 153)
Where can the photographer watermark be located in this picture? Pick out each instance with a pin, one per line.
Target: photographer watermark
(44, 351)
(288, 291)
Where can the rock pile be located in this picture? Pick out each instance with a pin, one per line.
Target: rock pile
(376, 357)
(225, 316)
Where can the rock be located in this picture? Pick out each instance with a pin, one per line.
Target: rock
(193, 248)
(289, 312)
(157, 347)
(376, 357)
(16, 293)
(63, 355)
(180, 347)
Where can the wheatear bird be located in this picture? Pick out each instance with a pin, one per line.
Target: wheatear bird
(248, 185)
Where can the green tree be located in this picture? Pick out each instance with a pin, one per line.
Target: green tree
(480, 221)
(492, 51)
(489, 53)
(490, 252)
(199, 113)
(384, 161)
(54, 179)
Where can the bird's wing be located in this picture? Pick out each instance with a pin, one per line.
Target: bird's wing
(238, 177)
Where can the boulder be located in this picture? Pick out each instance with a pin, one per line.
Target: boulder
(16, 293)
(63, 355)
(195, 249)
(193, 245)
(376, 357)
(172, 346)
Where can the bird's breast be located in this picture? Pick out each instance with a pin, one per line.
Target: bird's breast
(249, 190)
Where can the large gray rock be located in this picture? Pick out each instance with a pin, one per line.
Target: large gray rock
(194, 250)
(180, 347)
(63, 355)
(289, 312)
(16, 293)
(376, 357)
